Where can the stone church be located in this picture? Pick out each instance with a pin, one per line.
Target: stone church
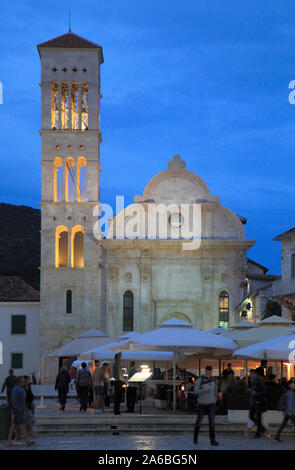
(118, 283)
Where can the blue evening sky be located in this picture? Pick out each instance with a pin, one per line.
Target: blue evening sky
(207, 79)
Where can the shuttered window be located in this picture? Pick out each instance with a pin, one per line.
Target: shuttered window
(18, 324)
(16, 360)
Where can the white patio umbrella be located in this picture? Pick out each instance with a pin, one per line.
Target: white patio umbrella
(236, 330)
(276, 320)
(217, 331)
(281, 348)
(244, 324)
(178, 336)
(128, 335)
(104, 353)
(90, 339)
(269, 328)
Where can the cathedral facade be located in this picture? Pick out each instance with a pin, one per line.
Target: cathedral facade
(121, 282)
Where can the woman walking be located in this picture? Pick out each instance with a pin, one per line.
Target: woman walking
(62, 385)
(289, 411)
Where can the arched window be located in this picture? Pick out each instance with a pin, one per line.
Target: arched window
(61, 247)
(54, 106)
(223, 309)
(57, 179)
(70, 180)
(84, 107)
(75, 106)
(81, 179)
(65, 106)
(69, 301)
(128, 311)
(77, 247)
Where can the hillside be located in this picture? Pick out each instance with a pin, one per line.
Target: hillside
(20, 242)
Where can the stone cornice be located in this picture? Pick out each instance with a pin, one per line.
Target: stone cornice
(49, 84)
(65, 132)
(89, 162)
(218, 243)
(53, 268)
(21, 303)
(69, 204)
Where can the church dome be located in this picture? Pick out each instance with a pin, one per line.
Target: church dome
(175, 185)
(178, 190)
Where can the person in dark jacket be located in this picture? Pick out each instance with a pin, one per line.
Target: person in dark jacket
(226, 373)
(84, 381)
(252, 408)
(118, 376)
(289, 412)
(132, 389)
(273, 392)
(8, 384)
(261, 370)
(62, 382)
(29, 412)
(258, 399)
(29, 394)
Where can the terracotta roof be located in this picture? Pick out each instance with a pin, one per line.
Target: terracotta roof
(263, 277)
(14, 289)
(283, 235)
(70, 41)
(257, 264)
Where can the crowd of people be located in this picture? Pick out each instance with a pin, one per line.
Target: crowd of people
(94, 389)
(21, 401)
(263, 390)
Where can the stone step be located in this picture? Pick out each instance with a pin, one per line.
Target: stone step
(60, 425)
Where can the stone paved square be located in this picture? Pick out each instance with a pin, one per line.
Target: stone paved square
(140, 441)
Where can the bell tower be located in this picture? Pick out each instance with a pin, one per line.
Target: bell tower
(70, 172)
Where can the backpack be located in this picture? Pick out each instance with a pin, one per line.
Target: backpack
(83, 377)
(282, 402)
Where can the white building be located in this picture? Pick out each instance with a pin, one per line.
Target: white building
(19, 327)
(284, 290)
(258, 292)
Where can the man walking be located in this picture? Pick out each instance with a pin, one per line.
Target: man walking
(289, 409)
(99, 378)
(8, 384)
(84, 381)
(63, 379)
(131, 389)
(18, 404)
(118, 376)
(258, 400)
(206, 390)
